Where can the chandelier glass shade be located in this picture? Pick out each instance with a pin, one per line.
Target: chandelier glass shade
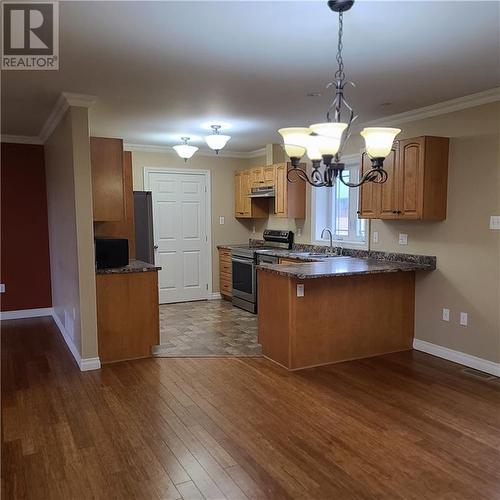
(184, 150)
(216, 141)
(324, 142)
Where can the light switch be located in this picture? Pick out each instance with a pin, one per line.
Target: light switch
(495, 222)
(446, 314)
(299, 231)
(2, 287)
(403, 239)
(463, 319)
(221, 220)
(375, 236)
(300, 290)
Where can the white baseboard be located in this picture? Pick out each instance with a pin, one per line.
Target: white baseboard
(215, 296)
(85, 364)
(480, 364)
(26, 313)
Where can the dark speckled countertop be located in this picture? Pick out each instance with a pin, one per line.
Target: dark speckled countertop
(134, 266)
(341, 266)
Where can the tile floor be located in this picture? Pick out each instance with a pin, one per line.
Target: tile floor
(206, 328)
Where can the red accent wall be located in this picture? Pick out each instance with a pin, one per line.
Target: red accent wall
(25, 261)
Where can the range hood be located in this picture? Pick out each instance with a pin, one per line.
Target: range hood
(262, 192)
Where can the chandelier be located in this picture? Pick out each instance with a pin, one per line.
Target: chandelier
(324, 142)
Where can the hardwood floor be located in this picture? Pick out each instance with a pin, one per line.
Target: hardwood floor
(404, 425)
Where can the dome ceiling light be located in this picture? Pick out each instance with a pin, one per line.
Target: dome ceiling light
(324, 142)
(217, 141)
(184, 150)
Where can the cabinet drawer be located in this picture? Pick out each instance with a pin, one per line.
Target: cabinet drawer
(225, 267)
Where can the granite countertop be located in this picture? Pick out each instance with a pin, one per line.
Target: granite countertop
(341, 266)
(134, 266)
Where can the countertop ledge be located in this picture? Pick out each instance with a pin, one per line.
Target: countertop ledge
(342, 266)
(134, 266)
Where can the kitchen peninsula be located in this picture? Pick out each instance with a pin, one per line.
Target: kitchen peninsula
(342, 308)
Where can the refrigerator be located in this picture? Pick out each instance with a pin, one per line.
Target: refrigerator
(143, 219)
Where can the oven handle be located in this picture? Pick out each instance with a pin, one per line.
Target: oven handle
(244, 261)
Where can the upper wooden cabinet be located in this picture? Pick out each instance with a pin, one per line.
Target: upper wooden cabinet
(290, 198)
(416, 188)
(245, 207)
(106, 156)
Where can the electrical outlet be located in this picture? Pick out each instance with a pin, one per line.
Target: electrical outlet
(403, 239)
(446, 314)
(463, 319)
(299, 231)
(221, 220)
(253, 229)
(2, 287)
(375, 236)
(495, 222)
(300, 290)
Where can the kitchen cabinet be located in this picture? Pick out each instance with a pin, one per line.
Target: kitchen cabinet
(128, 324)
(290, 197)
(225, 274)
(269, 174)
(106, 158)
(288, 260)
(416, 188)
(257, 177)
(246, 207)
(124, 228)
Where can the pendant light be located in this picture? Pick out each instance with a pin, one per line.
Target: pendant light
(184, 150)
(324, 142)
(217, 141)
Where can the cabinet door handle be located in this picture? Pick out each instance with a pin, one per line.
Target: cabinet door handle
(358, 212)
(399, 211)
(394, 212)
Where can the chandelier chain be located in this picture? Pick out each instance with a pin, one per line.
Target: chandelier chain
(339, 74)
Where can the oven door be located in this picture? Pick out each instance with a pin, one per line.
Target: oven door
(244, 285)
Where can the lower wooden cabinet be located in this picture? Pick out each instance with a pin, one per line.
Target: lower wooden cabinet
(225, 274)
(128, 322)
(416, 188)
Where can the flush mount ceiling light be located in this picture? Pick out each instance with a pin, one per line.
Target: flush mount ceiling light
(324, 142)
(184, 150)
(217, 141)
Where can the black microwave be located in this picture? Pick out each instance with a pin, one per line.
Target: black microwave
(111, 252)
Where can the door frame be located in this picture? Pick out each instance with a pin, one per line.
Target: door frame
(208, 208)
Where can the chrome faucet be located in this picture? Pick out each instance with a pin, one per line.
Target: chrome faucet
(329, 231)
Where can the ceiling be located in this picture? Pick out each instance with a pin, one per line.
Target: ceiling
(161, 70)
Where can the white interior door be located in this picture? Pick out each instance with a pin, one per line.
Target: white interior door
(180, 234)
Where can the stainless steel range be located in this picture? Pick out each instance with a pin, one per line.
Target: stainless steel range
(244, 261)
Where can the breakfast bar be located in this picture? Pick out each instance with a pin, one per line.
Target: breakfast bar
(342, 308)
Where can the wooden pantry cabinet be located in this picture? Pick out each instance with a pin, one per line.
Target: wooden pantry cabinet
(416, 188)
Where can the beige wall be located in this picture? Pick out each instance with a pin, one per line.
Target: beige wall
(222, 179)
(69, 201)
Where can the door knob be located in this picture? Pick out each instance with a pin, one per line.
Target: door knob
(156, 247)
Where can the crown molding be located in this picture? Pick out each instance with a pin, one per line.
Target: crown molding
(22, 139)
(151, 148)
(65, 100)
(441, 108)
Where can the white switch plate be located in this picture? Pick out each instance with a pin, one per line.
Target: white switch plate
(463, 319)
(253, 229)
(300, 290)
(221, 220)
(446, 314)
(375, 236)
(2, 287)
(495, 222)
(403, 239)
(299, 231)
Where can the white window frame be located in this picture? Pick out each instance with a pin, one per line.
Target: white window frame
(351, 161)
